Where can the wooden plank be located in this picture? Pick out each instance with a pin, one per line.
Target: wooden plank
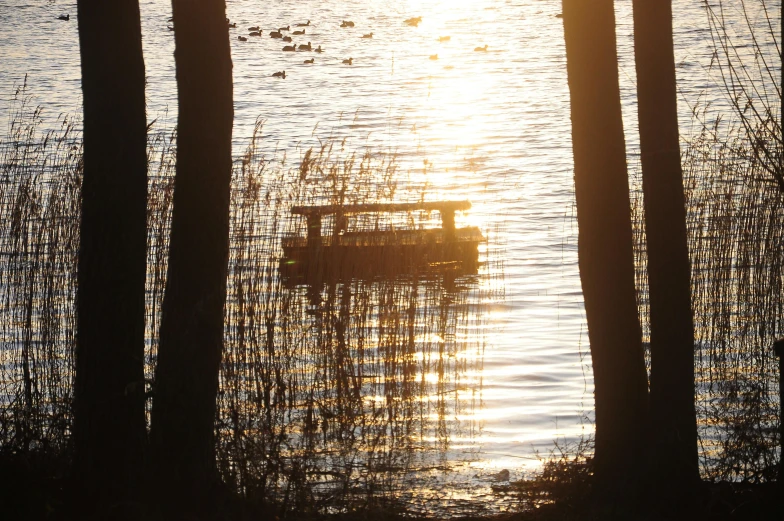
(441, 206)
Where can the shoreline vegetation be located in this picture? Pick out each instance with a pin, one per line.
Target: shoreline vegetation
(334, 395)
(159, 361)
(280, 410)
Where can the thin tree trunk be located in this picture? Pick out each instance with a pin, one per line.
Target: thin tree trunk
(673, 417)
(605, 239)
(191, 335)
(109, 418)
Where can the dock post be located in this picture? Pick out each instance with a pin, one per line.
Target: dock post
(778, 347)
(448, 223)
(314, 229)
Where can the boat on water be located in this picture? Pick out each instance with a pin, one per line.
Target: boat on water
(351, 251)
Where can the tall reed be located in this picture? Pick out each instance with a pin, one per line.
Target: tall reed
(735, 221)
(331, 394)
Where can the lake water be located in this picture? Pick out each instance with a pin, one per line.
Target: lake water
(493, 126)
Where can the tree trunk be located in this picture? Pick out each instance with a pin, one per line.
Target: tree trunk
(191, 334)
(605, 239)
(109, 418)
(673, 418)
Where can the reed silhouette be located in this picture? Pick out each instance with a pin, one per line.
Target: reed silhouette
(331, 397)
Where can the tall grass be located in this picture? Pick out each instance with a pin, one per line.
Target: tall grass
(736, 236)
(332, 394)
(39, 189)
(735, 223)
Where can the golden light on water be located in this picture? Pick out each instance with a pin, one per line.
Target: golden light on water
(468, 376)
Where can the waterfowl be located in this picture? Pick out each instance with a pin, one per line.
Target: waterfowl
(255, 33)
(347, 23)
(279, 74)
(276, 34)
(254, 28)
(310, 60)
(242, 38)
(303, 25)
(304, 47)
(368, 35)
(349, 61)
(284, 28)
(444, 38)
(64, 17)
(298, 33)
(413, 22)
(233, 25)
(318, 49)
(287, 38)
(433, 56)
(290, 48)
(501, 476)
(481, 49)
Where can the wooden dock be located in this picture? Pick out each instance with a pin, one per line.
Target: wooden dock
(346, 253)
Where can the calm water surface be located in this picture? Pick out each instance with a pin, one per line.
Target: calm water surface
(493, 126)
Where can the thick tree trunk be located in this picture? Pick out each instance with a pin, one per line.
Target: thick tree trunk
(109, 419)
(191, 335)
(673, 418)
(605, 239)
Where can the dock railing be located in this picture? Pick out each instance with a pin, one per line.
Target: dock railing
(313, 214)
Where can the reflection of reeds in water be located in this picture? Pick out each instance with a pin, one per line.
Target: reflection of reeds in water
(329, 393)
(736, 232)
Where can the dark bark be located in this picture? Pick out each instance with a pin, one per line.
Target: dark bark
(109, 419)
(605, 239)
(191, 334)
(673, 418)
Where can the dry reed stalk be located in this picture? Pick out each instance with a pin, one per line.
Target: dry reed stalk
(329, 393)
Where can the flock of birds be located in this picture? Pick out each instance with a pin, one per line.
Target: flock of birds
(285, 34)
